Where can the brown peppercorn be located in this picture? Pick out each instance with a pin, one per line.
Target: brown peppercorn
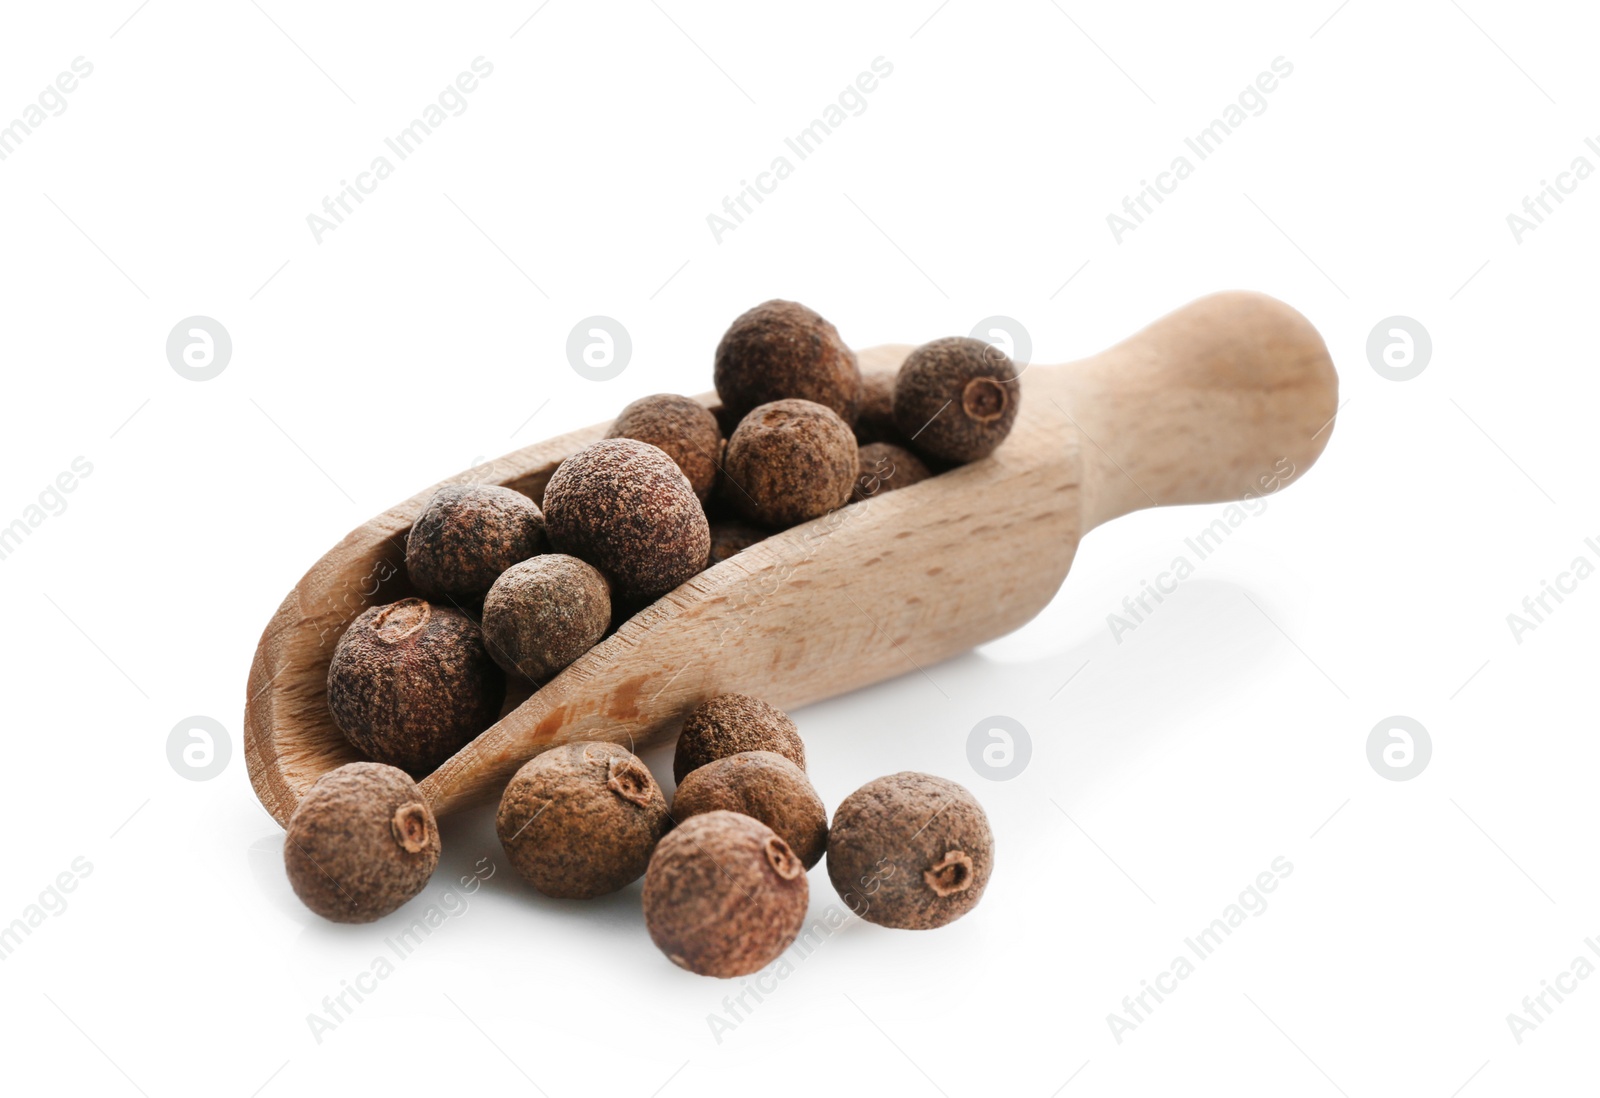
(683, 428)
(729, 724)
(956, 398)
(764, 786)
(910, 851)
(789, 461)
(411, 683)
(580, 820)
(361, 842)
(626, 508)
(543, 613)
(781, 349)
(724, 895)
(730, 537)
(885, 467)
(466, 536)
(875, 422)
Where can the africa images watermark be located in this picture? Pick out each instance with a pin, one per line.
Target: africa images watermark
(51, 901)
(1137, 207)
(1536, 1009)
(737, 1009)
(1537, 206)
(453, 99)
(1137, 1009)
(52, 103)
(852, 99)
(1137, 608)
(51, 502)
(1536, 608)
(449, 903)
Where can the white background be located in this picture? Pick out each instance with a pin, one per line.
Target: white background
(1227, 730)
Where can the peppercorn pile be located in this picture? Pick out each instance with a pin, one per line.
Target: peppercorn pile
(508, 586)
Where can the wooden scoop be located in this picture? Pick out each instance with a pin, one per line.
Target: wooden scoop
(1225, 398)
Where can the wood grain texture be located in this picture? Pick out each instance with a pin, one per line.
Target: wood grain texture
(1201, 406)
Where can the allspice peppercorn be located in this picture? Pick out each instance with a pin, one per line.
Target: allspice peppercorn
(580, 820)
(625, 507)
(729, 724)
(410, 684)
(788, 462)
(681, 427)
(875, 422)
(885, 467)
(956, 398)
(779, 350)
(360, 843)
(543, 613)
(724, 895)
(911, 851)
(764, 786)
(466, 536)
(730, 537)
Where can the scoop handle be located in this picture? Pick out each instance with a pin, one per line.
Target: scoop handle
(1229, 397)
